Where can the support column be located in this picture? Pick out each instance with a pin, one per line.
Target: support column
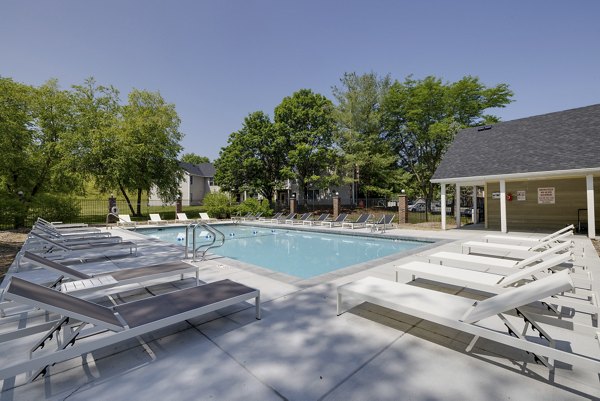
(475, 216)
(337, 205)
(402, 209)
(457, 206)
(591, 213)
(503, 226)
(443, 206)
(293, 204)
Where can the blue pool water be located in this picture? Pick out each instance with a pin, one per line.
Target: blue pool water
(303, 254)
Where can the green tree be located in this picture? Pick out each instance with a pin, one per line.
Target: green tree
(253, 159)
(97, 143)
(148, 148)
(193, 158)
(306, 119)
(34, 126)
(421, 117)
(366, 154)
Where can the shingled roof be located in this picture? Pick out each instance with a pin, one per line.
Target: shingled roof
(202, 170)
(564, 140)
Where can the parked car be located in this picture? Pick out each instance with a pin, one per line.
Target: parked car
(417, 207)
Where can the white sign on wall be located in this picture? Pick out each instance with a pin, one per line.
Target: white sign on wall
(495, 195)
(546, 195)
(521, 196)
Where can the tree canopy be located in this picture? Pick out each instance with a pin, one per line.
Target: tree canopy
(254, 159)
(193, 158)
(307, 122)
(421, 117)
(53, 140)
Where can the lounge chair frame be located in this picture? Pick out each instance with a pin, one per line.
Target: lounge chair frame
(472, 317)
(117, 323)
(483, 247)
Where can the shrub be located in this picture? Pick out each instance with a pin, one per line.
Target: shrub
(217, 205)
(252, 205)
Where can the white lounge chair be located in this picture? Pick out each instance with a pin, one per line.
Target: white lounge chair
(481, 318)
(204, 218)
(338, 221)
(361, 221)
(282, 220)
(49, 246)
(125, 220)
(496, 247)
(496, 283)
(300, 220)
(495, 264)
(382, 223)
(521, 239)
(319, 220)
(271, 219)
(182, 218)
(69, 236)
(67, 228)
(97, 284)
(98, 326)
(156, 219)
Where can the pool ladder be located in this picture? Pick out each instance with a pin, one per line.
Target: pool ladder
(195, 249)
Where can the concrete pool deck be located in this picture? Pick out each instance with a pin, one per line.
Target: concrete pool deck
(301, 350)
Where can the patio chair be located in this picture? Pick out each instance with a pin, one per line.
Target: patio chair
(182, 218)
(521, 239)
(85, 326)
(156, 219)
(360, 222)
(84, 282)
(204, 218)
(483, 247)
(274, 218)
(49, 246)
(282, 220)
(61, 225)
(252, 216)
(496, 264)
(493, 283)
(125, 220)
(67, 228)
(337, 221)
(66, 236)
(91, 285)
(299, 220)
(382, 223)
(482, 319)
(319, 220)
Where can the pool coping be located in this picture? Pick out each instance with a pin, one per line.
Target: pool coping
(322, 278)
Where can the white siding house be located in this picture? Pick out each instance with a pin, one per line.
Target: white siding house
(198, 180)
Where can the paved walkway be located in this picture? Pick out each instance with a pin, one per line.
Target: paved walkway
(301, 350)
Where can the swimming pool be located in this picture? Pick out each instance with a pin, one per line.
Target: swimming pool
(303, 254)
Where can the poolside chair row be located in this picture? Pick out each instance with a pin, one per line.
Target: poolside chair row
(125, 219)
(542, 278)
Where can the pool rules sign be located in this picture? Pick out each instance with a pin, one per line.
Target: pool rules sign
(546, 196)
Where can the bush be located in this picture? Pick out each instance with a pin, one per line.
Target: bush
(252, 205)
(54, 208)
(218, 205)
(15, 214)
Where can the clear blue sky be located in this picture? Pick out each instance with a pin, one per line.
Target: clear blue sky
(218, 61)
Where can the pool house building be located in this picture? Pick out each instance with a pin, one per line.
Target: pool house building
(537, 173)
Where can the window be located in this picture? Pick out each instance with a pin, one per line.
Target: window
(191, 180)
(211, 181)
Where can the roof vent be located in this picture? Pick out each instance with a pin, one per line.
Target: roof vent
(484, 128)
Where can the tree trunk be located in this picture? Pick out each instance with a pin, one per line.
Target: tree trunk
(127, 199)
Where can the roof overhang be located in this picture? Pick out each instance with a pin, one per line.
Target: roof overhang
(535, 175)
